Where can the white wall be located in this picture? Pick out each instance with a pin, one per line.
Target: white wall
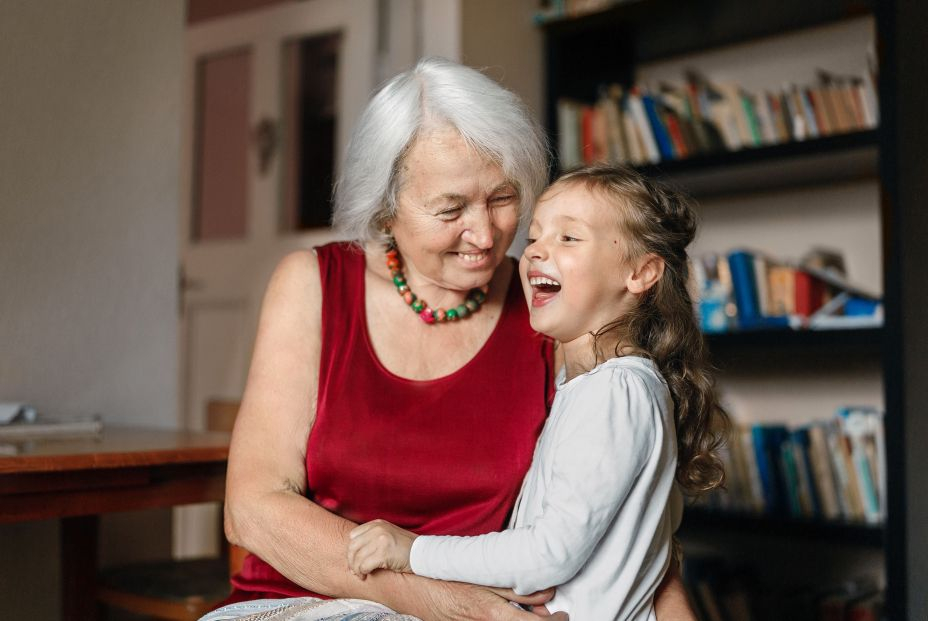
(502, 39)
(90, 108)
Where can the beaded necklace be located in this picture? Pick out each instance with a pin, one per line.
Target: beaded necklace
(475, 297)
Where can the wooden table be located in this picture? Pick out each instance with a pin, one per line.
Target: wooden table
(124, 469)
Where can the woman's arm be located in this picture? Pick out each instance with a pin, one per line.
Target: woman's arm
(267, 512)
(670, 600)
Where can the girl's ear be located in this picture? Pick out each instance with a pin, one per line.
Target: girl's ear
(648, 270)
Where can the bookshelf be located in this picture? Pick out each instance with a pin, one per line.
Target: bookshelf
(843, 157)
(864, 343)
(585, 53)
(704, 521)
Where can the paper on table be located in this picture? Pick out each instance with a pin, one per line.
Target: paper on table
(16, 413)
(52, 429)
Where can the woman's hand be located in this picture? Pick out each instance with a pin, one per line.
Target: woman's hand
(456, 601)
(379, 545)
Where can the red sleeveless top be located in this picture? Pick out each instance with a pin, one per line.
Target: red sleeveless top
(438, 457)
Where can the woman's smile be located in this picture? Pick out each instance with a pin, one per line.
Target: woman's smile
(475, 259)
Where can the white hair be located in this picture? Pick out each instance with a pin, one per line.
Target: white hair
(435, 93)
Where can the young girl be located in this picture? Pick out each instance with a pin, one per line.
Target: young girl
(605, 275)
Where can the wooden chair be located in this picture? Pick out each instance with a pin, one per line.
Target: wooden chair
(176, 590)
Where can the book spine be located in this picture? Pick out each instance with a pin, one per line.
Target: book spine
(741, 265)
(662, 138)
(635, 143)
(755, 483)
(754, 131)
(790, 479)
(568, 134)
(808, 497)
(636, 107)
(810, 293)
(823, 475)
(586, 135)
(805, 104)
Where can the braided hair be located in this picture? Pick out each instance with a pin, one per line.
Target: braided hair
(657, 220)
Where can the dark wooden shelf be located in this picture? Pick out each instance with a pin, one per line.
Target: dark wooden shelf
(746, 344)
(657, 29)
(697, 520)
(843, 157)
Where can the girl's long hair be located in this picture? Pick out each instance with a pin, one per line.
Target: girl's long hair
(658, 220)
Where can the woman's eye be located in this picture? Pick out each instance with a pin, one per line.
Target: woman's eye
(451, 213)
(503, 199)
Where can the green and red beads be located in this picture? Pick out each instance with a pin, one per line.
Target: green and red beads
(475, 297)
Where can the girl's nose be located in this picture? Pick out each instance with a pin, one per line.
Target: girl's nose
(536, 251)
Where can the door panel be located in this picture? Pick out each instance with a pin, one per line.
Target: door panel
(220, 189)
(234, 228)
(216, 363)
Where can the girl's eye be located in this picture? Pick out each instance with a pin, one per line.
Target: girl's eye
(530, 240)
(568, 238)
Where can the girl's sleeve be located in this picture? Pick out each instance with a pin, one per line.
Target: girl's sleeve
(603, 441)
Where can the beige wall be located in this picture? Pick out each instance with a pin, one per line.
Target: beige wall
(501, 38)
(90, 97)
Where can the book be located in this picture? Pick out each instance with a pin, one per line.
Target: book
(855, 424)
(753, 125)
(821, 470)
(744, 286)
(587, 146)
(823, 477)
(823, 120)
(790, 475)
(637, 154)
(809, 291)
(610, 107)
(795, 113)
(805, 104)
(661, 135)
(766, 119)
(768, 440)
(568, 134)
(808, 499)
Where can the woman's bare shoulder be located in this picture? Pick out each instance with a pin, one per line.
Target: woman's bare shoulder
(298, 270)
(295, 286)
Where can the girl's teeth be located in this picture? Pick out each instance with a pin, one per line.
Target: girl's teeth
(538, 281)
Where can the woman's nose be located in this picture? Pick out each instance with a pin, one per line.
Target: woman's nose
(480, 229)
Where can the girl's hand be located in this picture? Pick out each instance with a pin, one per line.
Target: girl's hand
(379, 545)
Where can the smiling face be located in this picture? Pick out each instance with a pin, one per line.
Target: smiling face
(456, 213)
(574, 271)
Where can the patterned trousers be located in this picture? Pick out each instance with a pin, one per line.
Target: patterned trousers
(306, 609)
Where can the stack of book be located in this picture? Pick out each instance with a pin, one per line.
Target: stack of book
(829, 470)
(723, 592)
(747, 290)
(646, 125)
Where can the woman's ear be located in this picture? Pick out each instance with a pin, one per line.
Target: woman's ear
(648, 270)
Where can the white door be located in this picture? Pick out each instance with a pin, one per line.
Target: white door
(271, 94)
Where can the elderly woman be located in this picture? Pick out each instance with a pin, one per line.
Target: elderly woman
(397, 377)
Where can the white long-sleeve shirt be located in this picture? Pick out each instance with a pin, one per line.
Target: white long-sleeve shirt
(595, 515)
